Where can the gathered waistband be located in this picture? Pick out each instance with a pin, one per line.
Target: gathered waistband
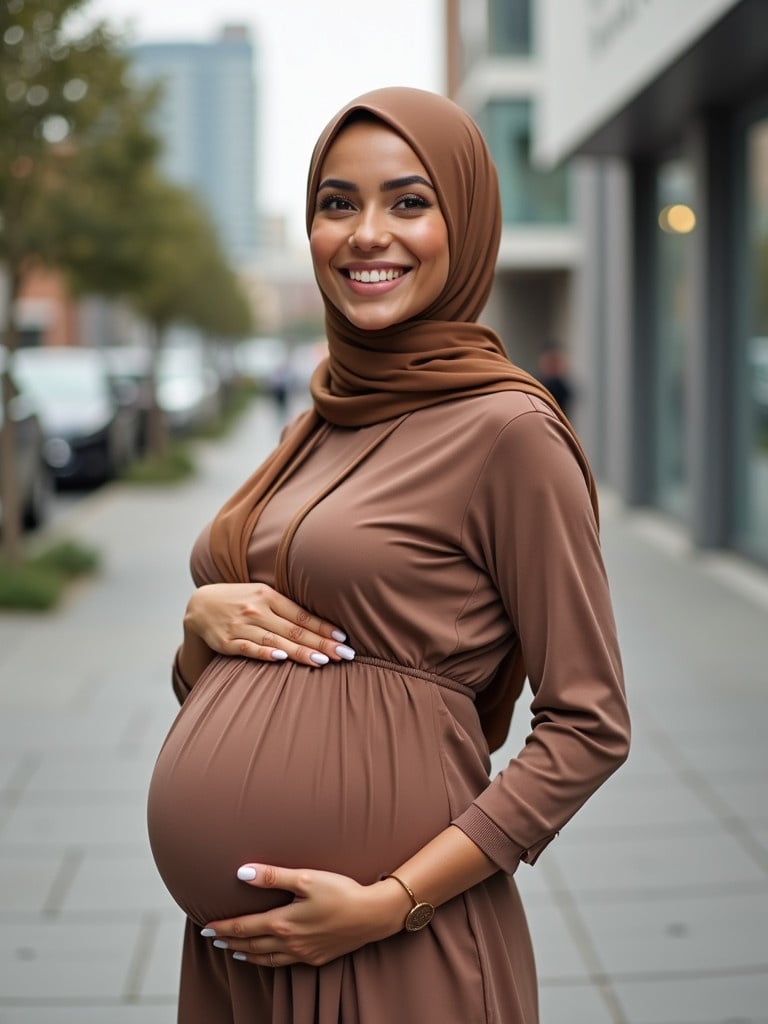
(418, 673)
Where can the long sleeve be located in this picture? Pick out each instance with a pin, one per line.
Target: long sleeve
(530, 524)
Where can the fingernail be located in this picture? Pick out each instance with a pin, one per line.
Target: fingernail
(208, 933)
(345, 652)
(239, 956)
(338, 635)
(246, 874)
(220, 944)
(318, 658)
(279, 655)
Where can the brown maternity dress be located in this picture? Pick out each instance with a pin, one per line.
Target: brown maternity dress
(467, 530)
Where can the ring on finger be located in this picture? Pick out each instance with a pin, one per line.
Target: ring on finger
(271, 959)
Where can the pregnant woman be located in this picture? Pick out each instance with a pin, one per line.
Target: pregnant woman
(368, 605)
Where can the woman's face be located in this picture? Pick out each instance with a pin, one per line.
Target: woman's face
(379, 241)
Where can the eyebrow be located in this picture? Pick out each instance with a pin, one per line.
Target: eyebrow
(386, 186)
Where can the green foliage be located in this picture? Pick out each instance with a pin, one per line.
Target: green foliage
(68, 558)
(170, 467)
(61, 99)
(39, 581)
(28, 588)
(186, 275)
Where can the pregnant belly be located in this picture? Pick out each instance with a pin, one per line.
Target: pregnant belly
(335, 769)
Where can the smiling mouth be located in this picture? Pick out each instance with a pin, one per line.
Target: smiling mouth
(375, 276)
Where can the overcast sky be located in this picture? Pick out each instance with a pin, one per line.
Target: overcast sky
(312, 56)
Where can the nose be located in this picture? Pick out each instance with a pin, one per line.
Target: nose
(370, 232)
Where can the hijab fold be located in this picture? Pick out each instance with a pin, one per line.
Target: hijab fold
(381, 376)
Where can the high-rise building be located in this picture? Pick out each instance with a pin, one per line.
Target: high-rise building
(207, 122)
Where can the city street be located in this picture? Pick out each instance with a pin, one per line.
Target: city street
(650, 908)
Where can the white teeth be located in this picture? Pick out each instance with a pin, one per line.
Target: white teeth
(374, 276)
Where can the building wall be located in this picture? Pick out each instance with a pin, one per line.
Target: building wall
(676, 260)
(494, 71)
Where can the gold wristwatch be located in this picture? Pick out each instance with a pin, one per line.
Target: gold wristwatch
(420, 914)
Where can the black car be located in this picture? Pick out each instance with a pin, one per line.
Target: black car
(89, 436)
(33, 477)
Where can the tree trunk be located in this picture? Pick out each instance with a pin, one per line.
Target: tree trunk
(9, 484)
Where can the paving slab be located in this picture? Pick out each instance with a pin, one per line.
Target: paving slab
(649, 908)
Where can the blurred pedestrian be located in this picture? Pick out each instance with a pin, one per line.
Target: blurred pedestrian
(553, 374)
(280, 387)
(323, 812)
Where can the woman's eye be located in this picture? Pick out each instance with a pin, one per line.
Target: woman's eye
(335, 203)
(413, 202)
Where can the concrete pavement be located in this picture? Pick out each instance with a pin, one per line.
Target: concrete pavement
(650, 908)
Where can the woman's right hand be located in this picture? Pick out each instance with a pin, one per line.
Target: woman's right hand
(252, 620)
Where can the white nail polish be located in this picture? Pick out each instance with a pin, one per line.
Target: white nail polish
(220, 944)
(338, 635)
(207, 933)
(318, 658)
(345, 652)
(279, 655)
(238, 956)
(246, 874)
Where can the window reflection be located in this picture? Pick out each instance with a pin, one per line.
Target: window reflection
(528, 195)
(752, 457)
(509, 27)
(676, 220)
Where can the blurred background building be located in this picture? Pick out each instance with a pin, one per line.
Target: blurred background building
(208, 121)
(632, 143)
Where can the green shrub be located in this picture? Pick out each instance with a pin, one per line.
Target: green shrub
(39, 581)
(28, 587)
(175, 465)
(67, 558)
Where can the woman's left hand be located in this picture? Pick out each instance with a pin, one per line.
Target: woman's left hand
(330, 915)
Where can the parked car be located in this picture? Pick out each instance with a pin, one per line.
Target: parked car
(89, 436)
(259, 359)
(33, 476)
(128, 375)
(188, 388)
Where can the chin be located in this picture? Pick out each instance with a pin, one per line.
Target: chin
(378, 321)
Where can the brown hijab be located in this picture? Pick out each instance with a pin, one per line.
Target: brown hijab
(375, 377)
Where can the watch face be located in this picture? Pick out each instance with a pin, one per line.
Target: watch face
(420, 916)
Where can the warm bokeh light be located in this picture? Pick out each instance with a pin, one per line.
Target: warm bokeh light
(678, 219)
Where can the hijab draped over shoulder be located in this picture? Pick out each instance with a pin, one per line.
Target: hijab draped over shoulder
(373, 377)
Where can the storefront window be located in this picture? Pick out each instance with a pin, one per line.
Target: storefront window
(509, 27)
(675, 222)
(499, 28)
(528, 195)
(752, 382)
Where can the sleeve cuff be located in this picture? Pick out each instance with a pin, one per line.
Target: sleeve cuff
(486, 834)
(495, 843)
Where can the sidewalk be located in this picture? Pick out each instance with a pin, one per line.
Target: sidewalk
(650, 908)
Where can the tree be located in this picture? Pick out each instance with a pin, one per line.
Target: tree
(186, 277)
(64, 98)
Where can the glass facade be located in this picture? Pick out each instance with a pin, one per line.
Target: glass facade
(496, 28)
(528, 195)
(675, 223)
(751, 493)
(509, 28)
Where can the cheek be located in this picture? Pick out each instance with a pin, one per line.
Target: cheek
(322, 246)
(434, 251)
